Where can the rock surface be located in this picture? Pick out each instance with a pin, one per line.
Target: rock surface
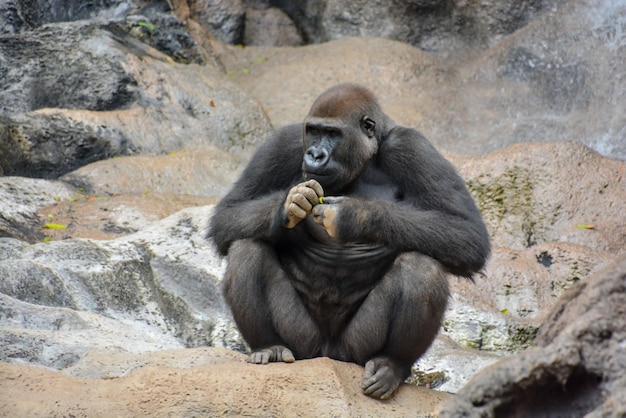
(103, 261)
(54, 119)
(514, 92)
(577, 367)
(204, 382)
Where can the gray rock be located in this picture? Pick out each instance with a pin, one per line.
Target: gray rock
(63, 66)
(271, 27)
(47, 145)
(200, 172)
(16, 16)
(451, 364)
(577, 367)
(21, 199)
(224, 18)
(152, 290)
(433, 25)
(111, 95)
(164, 32)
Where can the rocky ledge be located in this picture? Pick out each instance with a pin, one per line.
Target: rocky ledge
(122, 123)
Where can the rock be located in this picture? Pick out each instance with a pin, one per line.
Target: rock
(205, 382)
(156, 289)
(18, 16)
(433, 25)
(447, 366)
(224, 18)
(119, 196)
(547, 235)
(42, 144)
(119, 97)
(531, 194)
(576, 368)
(199, 172)
(164, 32)
(40, 73)
(270, 26)
(538, 84)
(21, 199)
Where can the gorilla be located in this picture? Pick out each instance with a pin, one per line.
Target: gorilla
(339, 236)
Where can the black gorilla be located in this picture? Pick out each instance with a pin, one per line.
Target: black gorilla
(339, 234)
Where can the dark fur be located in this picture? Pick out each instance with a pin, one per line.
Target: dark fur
(377, 293)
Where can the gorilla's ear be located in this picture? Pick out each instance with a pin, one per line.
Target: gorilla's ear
(368, 126)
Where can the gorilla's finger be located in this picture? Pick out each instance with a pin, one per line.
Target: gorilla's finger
(303, 202)
(296, 211)
(309, 194)
(317, 188)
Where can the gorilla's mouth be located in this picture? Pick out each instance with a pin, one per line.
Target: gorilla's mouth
(317, 174)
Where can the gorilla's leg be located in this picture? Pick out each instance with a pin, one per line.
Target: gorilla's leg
(397, 322)
(268, 311)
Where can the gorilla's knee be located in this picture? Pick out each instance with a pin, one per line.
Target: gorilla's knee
(417, 275)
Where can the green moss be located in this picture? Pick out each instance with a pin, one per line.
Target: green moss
(522, 336)
(509, 196)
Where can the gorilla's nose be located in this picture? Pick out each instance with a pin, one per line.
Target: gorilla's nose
(316, 157)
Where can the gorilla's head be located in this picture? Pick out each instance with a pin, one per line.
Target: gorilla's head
(342, 133)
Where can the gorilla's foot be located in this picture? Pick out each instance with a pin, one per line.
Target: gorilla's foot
(275, 353)
(382, 377)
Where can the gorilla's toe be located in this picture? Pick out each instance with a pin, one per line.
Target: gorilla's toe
(275, 353)
(381, 378)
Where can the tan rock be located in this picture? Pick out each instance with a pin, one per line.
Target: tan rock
(206, 382)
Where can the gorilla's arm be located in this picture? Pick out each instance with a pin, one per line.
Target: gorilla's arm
(437, 215)
(253, 206)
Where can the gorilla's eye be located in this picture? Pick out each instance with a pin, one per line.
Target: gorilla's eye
(368, 123)
(332, 133)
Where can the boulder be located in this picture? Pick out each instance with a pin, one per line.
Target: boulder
(111, 95)
(433, 25)
(270, 26)
(538, 84)
(155, 289)
(223, 18)
(576, 368)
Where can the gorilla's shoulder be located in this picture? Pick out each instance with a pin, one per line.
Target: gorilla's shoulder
(403, 139)
(290, 132)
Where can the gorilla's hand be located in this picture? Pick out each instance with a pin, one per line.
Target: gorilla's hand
(326, 215)
(300, 201)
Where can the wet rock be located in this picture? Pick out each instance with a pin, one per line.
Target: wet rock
(576, 368)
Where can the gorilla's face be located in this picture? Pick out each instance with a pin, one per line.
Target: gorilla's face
(337, 150)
